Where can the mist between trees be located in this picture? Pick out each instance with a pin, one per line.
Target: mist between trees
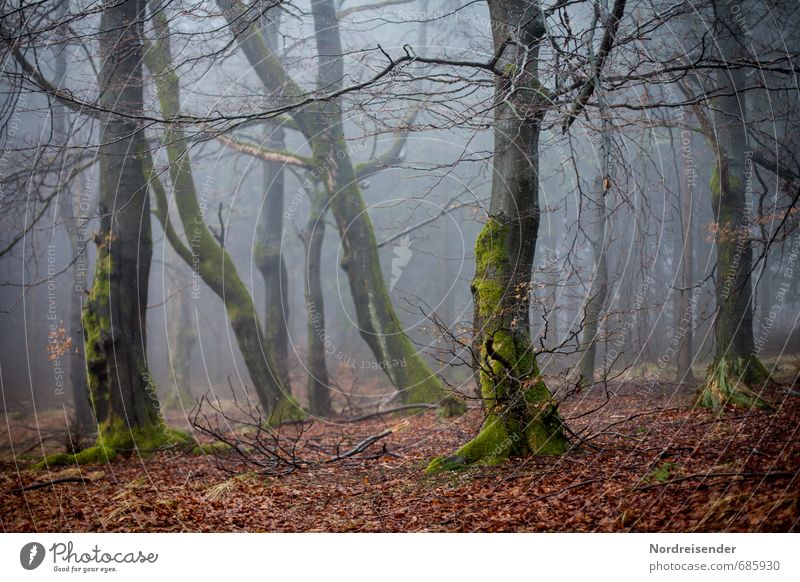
(324, 210)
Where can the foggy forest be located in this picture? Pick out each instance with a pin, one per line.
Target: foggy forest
(400, 265)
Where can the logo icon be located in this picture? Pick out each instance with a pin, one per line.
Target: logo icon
(31, 555)
(402, 255)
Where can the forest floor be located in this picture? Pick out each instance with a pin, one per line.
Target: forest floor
(648, 462)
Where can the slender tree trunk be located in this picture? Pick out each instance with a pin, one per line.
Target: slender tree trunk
(378, 324)
(521, 415)
(183, 339)
(210, 260)
(269, 258)
(595, 302)
(319, 396)
(322, 127)
(736, 368)
(685, 318)
(84, 415)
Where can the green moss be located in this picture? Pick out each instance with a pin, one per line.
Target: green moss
(451, 406)
(97, 327)
(490, 247)
(662, 473)
(419, 384)
(728, 381)
(492, 446)
(91, 456)
(522, 416)
(544, 434)
(114, 438)
(734, 182)
(116, 435)
(209, 448)
(510, 69)
(286, 410)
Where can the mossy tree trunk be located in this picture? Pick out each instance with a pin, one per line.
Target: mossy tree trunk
(521, 415)
(321, 125)
(183, 339)
(319, 395)
(378, 324)
(114, 320)
(596, 300)
(204, 254)
(736, 369)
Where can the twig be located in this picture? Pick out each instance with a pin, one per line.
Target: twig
(50, 483)
(631, 417)
(361, 447)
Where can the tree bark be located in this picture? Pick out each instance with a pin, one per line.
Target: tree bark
(736, 368)
(595, 302)
(114, 321)
(321, 125)
(204, 254)
(183, 339)
(318, 387)
(269, 258)
(684, 322)
(521, 415)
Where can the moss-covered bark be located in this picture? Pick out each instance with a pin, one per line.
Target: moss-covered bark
(728, 381)
(204, 254)
(521, 415)
(268, 249)
(736, 370)
(321, 124)
(378, 325)
(114, 320)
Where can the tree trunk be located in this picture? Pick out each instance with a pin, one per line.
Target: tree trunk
(685, 320)
(269, 258)
(521, 415)
(114, 321)
(736, 368)
(378, 324)
(205, 255)
(595, 302)
(319, 396)
(183, 339)
(322, 127)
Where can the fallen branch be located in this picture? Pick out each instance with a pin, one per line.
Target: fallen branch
(361, 447)
(50, 483)
(631, 417)
(388, 411)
